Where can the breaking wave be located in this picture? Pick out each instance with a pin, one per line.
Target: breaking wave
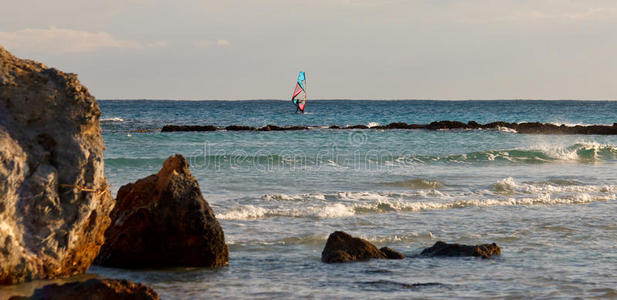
(114, 119)
(505, 192)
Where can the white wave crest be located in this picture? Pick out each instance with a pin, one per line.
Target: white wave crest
(372, 124)
(505, 192)
(114, 119)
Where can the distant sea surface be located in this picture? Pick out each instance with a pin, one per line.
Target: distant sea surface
(547, 200)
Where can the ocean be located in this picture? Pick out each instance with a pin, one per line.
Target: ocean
(547, 200)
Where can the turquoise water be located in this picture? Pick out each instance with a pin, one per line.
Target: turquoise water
(548, 201)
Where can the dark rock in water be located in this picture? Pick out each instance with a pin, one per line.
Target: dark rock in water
(446, 125)
(164, 221)
(527, 128)
(399, 125)
(473, 125)
(93, 289)
(357, 127)
(495, 125)
(54, 198)
(171, 128)
(342, 247)
(392, 254)
(277, 128)
(269, 128)
(239, 128)
(444, 249)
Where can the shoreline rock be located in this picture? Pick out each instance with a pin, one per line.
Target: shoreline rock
(93, 289)
(523, 128)
(54, 198)
(444, 249)
(342, 247)
(164, 221)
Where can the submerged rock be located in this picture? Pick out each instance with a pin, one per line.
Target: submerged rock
(444, 249)
(54, 198)
(93, 289)
(342, 247)
(164, 221)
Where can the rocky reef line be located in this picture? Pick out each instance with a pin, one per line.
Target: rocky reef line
(524, 127)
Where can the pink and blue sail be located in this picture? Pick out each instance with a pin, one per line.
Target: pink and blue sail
(300, 102)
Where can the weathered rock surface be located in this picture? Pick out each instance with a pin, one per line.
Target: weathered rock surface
(342, 247)
(163, 221)
(54, 198)
(444, 249)
(93, 289)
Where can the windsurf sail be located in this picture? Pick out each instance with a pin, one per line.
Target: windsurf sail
(296, 98)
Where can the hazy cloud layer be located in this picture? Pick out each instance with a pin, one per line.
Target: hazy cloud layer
(194, 49)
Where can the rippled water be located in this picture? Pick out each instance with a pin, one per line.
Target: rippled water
(548, 201)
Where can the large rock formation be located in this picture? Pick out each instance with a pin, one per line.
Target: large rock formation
(54, 199)
(93, 289)
(342, 247)
(162, 221)
(444, 249)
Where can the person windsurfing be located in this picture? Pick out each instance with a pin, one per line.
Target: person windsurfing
(300, 88)
(300, 103)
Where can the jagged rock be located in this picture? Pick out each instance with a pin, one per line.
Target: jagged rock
(163, 221)
(93, 289)
(444, 249)
(342, 247)
(54, 198)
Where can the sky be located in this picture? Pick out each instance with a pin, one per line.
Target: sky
(349, 49)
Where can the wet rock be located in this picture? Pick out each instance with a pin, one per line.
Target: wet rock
(392, 254)
(172, 128)
(277, 128)
(357, 127)
(54, 198)
(93, 289)
(444, 249)
(446, 125)
(164, 221)
(527, 128)
(239, 128)
(342, 247)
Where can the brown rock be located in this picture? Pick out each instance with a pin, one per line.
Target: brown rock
(444, 249)
(163, 221)
(93, 289)
(392, 254)
(342, 247)
(54, 198)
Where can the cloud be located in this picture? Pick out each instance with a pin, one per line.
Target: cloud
(61, 40)
(210, 43)
(222, 43)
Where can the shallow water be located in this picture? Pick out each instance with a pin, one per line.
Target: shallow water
(547, 201)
